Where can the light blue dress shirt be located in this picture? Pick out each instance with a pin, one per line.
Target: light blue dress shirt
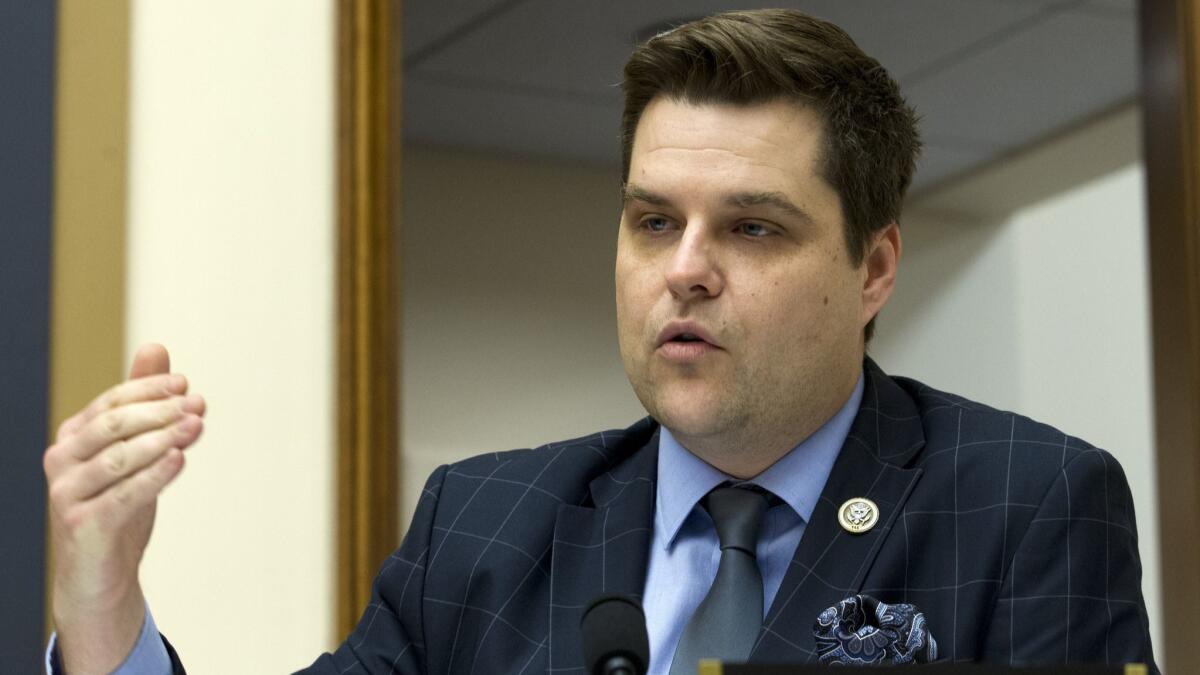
(684, 552)
(149, 656)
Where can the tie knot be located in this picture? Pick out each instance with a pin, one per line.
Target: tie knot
(737, 513)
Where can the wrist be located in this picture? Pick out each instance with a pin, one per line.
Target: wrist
(98, 639)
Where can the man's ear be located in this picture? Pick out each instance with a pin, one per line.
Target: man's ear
(879, 270)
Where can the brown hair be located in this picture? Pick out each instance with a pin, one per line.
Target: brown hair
(870, 142)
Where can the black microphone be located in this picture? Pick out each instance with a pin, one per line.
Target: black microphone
(614, 637)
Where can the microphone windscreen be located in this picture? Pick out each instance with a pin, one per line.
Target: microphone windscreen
(614, 625)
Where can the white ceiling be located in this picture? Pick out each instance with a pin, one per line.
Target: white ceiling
(539, 77)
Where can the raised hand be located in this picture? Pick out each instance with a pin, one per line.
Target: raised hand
(105, 471)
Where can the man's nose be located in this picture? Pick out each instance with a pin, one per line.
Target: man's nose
(692, 270)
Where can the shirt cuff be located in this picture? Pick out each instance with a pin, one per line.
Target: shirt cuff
(149, 655)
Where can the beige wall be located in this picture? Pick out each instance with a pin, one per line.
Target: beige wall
(230, 265)
(508, 323)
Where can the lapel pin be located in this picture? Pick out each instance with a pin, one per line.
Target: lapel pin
(858, 514)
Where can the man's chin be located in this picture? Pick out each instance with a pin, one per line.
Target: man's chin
(695, 416)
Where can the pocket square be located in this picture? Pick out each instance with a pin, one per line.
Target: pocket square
(862, 631)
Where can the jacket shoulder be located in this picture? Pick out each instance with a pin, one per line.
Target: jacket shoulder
(972, 439)
(958, 421)
(560, 470)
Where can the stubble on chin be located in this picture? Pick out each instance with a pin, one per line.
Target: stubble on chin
(692, 409)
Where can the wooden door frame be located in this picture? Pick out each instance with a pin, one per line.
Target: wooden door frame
(1170, 82)
(367, 301)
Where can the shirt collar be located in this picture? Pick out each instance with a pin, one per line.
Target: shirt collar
(797, 478)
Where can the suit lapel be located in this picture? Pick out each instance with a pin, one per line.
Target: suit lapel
(830, 563)
(601, 548)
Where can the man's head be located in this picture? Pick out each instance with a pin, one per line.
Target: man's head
(765, 159)
(870, 142)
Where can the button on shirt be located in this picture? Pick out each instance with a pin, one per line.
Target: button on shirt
(684, 553)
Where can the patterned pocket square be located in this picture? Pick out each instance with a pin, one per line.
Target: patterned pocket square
(862, 631)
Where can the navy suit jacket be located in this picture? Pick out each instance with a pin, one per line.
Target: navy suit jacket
(1017, 542)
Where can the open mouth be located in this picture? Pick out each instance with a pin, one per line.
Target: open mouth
(686, 342)
(686, 334)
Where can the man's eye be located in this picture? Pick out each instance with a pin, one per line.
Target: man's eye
(753, 229)
(656, 224)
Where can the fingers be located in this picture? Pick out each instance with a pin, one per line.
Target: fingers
(117, 505)
(119, 424)
(124, 459)
(144, 389)
(150, 359)
(150, 362)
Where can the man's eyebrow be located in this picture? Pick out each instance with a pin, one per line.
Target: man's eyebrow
(634, 193)
(631, 192)
(774, 199)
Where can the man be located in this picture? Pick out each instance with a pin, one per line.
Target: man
(765, 161)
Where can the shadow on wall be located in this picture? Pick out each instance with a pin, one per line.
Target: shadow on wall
(940, 253)
(1055, 165)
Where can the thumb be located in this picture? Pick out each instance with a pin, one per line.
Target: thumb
(150, 359)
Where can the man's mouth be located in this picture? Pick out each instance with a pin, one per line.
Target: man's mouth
(685, 342)
(685, 332)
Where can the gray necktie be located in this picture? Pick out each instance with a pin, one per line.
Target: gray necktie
(727, 621)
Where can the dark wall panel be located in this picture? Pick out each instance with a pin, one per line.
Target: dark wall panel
(27, 49)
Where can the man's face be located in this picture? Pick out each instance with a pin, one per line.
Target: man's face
(740, 314)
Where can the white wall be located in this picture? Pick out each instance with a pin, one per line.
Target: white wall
(231, 241)
(1025, 287)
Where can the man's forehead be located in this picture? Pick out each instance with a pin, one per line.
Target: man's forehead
(763, 155)
(775, 134)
